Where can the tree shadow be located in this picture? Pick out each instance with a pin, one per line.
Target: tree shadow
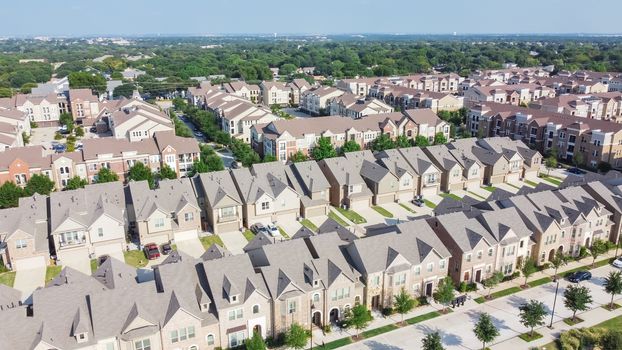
(374, 345)
(516, 301)
(499, 323)
(446, 337)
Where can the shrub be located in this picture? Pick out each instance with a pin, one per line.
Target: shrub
(57, 136)
(326, 329)
(611, 340)
(583, 253)
(387, 311)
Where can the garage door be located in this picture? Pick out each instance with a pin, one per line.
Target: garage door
(318, 211)
(360, 204)
(114, 250)
(289, 217)
(406, 196)
(513, 177)
(531, 175)
(385, 198)
(429, 191)
(473, 185)
(185, 235)
(228, 227)
(36, 262)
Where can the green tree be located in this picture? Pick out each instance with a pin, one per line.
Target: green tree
(402, 141)
(124, 90)
(403, 303)
(198, 167)
(40, 184)
(421, 141)
(493, 281)
(298, 157)
(324, 149)
(444, 293)
(598, 248)
(558, 261)
(440, 139)
(613, 285)
(612, 340)
(578, 159)
(577, 298)
(603, 167)
(140, 172)
(532, 314)
(79, 131)
(214, 163)
(166, 172)
(86, 80)
(358, 317)
(10, 194)
(106, 175)
(268, 158)
(296, 337)
(432, 341)
(382, 142)
(529, 268)
(66, 119)
(550, 163)
(350, 146)
(76, 182)
(287, 69)
(255, 342)
(485, 330)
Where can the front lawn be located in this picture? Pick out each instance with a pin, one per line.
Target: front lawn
(499, 294)
(531, 183)
(352, 215)
(424, 317)
(335, 344)
(308, 224)
(338, 219)
(554, 180)
(539, 282)
(429, 204)
(530, 337)
(7, 278)
(614, 323)
(490, 188)
(51, 272)
(248, 234)
(283, 233)
(380, 330)
(450, 195)
(382, 211)
(407, 208)
(135, 258)
(207, 241)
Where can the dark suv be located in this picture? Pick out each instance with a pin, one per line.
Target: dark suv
(579, 276)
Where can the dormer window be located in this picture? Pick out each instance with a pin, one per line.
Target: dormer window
(561, 221)
(82, 337)
(234, 299)
(204, 306)
(316, 283)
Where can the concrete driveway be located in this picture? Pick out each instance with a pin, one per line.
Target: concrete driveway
(234, 241)
(290, 226)
(399, 213)
(504, 313)
(79, 261)
(26, 281)
(192, 247)
(509, 188)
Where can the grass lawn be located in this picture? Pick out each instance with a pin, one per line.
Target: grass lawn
(248, 234)
(614, 323)
(135, 258)
(380, 330)
(335, 344)
(7, 278)
(490, 188)
(338, 219)
(382, 211)
(511, 185)
(352, 216)
(476, 195)
(51, 272)
(570, 322)
(407, 208)
(450, 195)
(94, 265)
(424, 317)
(615, 307)
(539, 282)
(283, 233)
(429, 204)
(552, 179)
(530, 183)
(527, 337)
(308, 224)
(499, 294)
(207, 241)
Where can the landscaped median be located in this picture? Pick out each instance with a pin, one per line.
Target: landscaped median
(552, 179)
(382, 211)
(338, 219)
(380, 330)
(352, 215)
(308, 224)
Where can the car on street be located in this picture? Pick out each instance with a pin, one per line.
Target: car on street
(576, 171)
(151, 251)
(274, 231)
(617, 263)
(93, 130)
(59, 148)
(198, 134)
(579, 276)
(257, 228)
(235, 165)
(166, 248)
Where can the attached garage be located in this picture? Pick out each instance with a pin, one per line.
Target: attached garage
(513, 177)
(406, 196)
(315, 211)
(473, 185)
(286, 217)
(77, 259)
(114, 250)
(456, 186)
(35, 262)
(531, 174)
(385, 198)
(360, 204)
(185, 235)
(429, 191)
(232, 226)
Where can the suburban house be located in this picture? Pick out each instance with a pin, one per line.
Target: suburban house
(138, 122)
(408, 179)
(168, 213)
(309, 181)
(275, 93)
(298, 88)
(498, 167)
(384, 185)
(410, 258)
(428, 123)
(452, 172)
(221, 200)
(429, 176)
(266, 194)
(24, 234)
(317, 101)
(88, 223)
(347, 187)
(532, 159)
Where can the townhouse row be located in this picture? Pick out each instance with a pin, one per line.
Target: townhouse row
(219, 299)
(596, 140)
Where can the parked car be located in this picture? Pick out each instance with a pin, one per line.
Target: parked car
(579, 276)
(93, 130)
(166, 248)
(59, 148)
(418, 202)
(274, 231)
(198, 134)
(151, 251)
(235, 165)
(617, 263)
(576, 171)
(257, 228)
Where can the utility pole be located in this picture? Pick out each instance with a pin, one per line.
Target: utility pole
(554, 302)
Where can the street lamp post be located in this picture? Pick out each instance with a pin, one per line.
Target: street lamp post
(554, 302)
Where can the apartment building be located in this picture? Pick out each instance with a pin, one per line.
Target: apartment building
(359, 87)
(14, 124)
(604, 106)
(275, 93)
(249, 92)
(84, 106)
(504, 75)
(168, 213)
(238, 116)
(298, 88)
(137, 121)
(348, 105)
(318, 101)
(428, 123)
(88, 223)
(516, 94)
(41, 110)
(409, 98)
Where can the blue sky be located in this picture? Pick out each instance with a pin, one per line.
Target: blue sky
(140, 17)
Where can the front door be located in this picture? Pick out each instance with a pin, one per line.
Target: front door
(375, 302)
(257, 329)
(428, 289)
(478, 276)
(334, 315)
(317, 319)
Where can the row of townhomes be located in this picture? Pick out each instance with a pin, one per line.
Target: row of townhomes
(219, 299)
(597, 140)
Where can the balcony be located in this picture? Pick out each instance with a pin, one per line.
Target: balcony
(228, 218)
(66, 244)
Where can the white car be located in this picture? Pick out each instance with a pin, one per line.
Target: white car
(274, 231)
(617, 263)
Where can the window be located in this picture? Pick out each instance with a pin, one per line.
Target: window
(430, 267)
(441, 264)
(191, 333)
(159, 222)
(265, 205)
(417, 270)
(21, 243)
(188, 216)
(210, 339)
(231, 315)
(239, 313)
(376, 280)
(227, 212)
(479, 255)
(490, 251)
(100, 232)
(144, 344)
(316, 298)
(522, 243)
(109, 346)
(340, 293)
(291, 306)
(400, 280)
(255, 309)
(488, 268)
(174, 336)
(468, 257)
(236, 339)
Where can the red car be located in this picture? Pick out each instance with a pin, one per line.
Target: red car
(151, 251)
